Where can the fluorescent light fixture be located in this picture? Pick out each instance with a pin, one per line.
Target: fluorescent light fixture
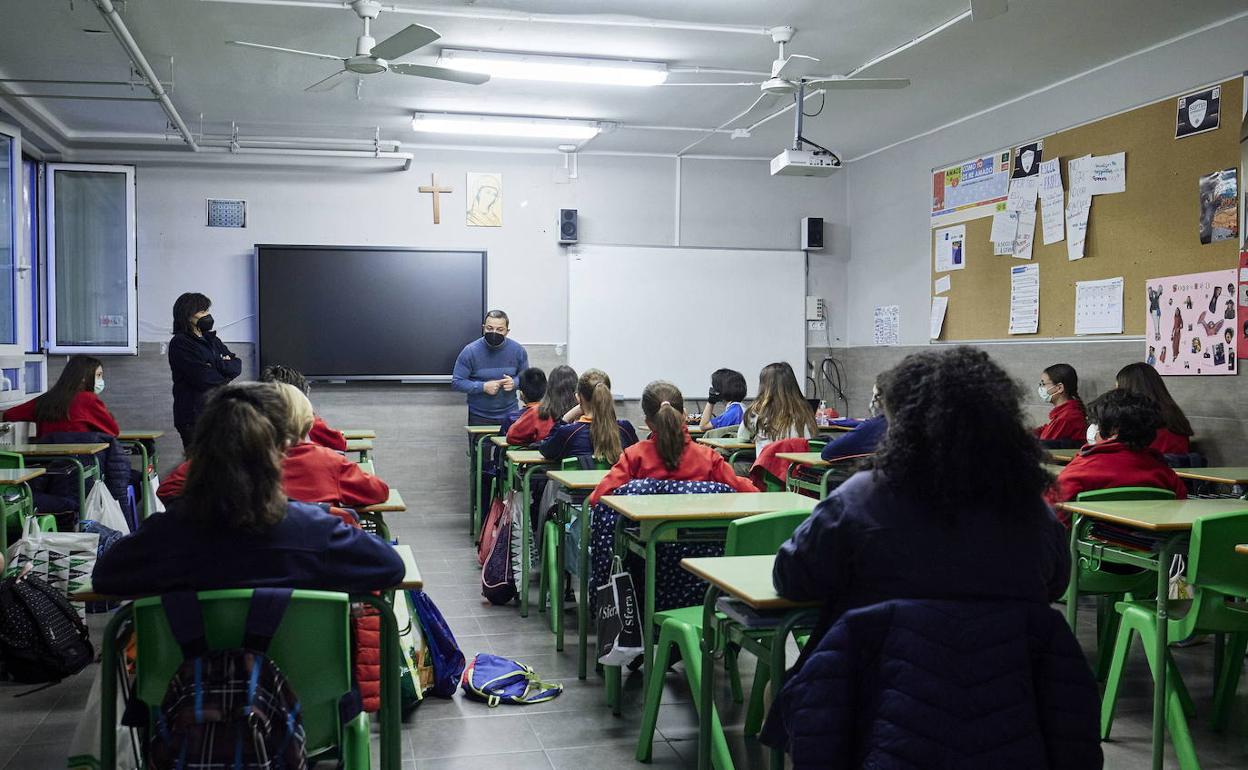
(558, 69)
(489, 125)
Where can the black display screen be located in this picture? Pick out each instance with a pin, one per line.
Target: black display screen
(368, 312)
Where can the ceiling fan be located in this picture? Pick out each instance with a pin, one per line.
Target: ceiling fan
(372, 57)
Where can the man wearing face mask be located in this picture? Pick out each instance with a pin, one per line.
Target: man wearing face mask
(198, 360)
(486, 370)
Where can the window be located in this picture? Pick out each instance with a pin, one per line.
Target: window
(33, 219)
(91, 259)
(12, 243)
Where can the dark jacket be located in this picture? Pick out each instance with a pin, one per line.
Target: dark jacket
(197, 368)
(871, 541)
(307, 549)
(114, 463)
(572, 439)
(862, 440)
(942, 685)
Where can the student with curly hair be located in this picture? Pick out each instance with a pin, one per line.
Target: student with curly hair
(952, 506)
(1118, 454)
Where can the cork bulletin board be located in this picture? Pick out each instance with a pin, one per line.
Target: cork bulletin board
(1150, 230)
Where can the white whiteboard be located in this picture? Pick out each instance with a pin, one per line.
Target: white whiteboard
(643, 313)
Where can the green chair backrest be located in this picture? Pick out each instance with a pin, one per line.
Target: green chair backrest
(1212, 561)
(763, 533)
(12, 461)
(312, 648)
(1125, 493)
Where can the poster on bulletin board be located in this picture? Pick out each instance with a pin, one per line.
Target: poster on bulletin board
(971, 189)
(1191, 323)
(1241, 322)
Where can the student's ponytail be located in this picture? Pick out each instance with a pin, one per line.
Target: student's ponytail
(604, 431)
(664, 408)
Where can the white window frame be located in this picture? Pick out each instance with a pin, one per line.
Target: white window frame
(21, 283)
(132, 299)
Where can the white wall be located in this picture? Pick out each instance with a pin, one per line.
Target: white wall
(621, 200)
(889, 196)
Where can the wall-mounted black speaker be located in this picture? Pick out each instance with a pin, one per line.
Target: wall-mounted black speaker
(812, 233)
(567, 226)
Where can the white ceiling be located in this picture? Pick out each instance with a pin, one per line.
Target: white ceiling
(969, 67)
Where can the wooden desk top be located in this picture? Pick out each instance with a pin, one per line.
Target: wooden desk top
(359, 445)
(727, 444)
(351, 434)
(1062, 456)
(836, 428)
(1221, 475)
(727, 505)
(747, 578)
(527, 457)
(482, 430)
(140, 435)
(694, 429)
(577, 479)
(1242, 548)
(12, 478)
(1155, 515)
(56, 450)
(812, 459)
(393, 504)
(498, 441)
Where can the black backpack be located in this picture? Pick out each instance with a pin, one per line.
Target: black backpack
(42, 638)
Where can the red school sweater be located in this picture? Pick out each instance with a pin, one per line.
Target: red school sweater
(1170, 443)
(1113, 464)
(87, 414)
(1067, 422)
(698, 462)
(529, 428)
(326, 436)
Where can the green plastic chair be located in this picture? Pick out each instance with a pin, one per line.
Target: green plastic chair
(1111, 587)
(18, 503)
(312, 648)
(758, 535)
(549, 574)
(1215, 573)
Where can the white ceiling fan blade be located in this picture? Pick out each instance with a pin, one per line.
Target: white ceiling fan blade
(796, 66)
(440, 73)
(986, 9)
(764, 105)
(329, 83)
(286, 50)
(404, 41)
(755, 83)
(856, 84)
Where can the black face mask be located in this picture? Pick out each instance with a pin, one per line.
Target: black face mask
(204, 324)
(712, 396)
(494, 339)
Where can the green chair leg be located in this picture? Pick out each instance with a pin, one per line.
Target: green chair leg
(734, 674)
(550, 573)
(755, 712)
(1228, 679)
(1109, 701)
(355, 749)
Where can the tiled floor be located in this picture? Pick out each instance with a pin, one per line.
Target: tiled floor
(576, 730)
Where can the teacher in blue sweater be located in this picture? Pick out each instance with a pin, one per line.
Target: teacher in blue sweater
(487, 370)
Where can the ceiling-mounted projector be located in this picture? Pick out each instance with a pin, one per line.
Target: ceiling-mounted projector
(805, 163)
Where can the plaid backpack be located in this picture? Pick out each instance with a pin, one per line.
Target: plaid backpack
(228, 709)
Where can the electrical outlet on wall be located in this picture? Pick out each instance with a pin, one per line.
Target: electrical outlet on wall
(817, 326)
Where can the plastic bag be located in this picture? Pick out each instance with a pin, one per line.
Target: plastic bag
(619, 626)
(102, 507)
(84, 748)
(64, 560)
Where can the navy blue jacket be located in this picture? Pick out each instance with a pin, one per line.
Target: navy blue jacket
(860, 441)
(942, 685)
(572, 439)
(197, 368)
(871, 541)
(308, 548)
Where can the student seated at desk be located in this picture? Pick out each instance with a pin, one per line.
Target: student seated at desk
(310, 473)
(864, 439)
(1175, 434)
(1067, 425)
(532, 387)
(537, 423)
(234, 528)
(1118, 454)
(590, 429)
(668, 452)
(72, 405)
(952, 508)
(321, 433)
(727, 387)
(780, 411)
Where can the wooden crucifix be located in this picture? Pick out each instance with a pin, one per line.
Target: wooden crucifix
(432, 187)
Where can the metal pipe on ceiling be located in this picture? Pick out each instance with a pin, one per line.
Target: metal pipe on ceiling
(74, 82)
(491, 14)
(82, 97)
(122, 33)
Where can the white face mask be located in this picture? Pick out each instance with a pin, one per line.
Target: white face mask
(1045, 395)
(99, 385)
(1093, 430)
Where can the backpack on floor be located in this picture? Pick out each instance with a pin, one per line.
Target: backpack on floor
(228, 709)
(500, 508)
(496, 680)
(440, 645)
(42, 639)
(498, 576)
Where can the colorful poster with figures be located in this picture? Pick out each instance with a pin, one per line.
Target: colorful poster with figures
(1191, 328)
(971, 189)
(1241, 322)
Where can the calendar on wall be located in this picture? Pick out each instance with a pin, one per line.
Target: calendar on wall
(1191, 323)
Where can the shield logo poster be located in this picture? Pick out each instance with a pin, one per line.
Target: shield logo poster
(1027, 160)
(1198, 112)
(1191, 323)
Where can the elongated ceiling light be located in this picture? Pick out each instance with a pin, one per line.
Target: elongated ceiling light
(557, 69)
(489, 125)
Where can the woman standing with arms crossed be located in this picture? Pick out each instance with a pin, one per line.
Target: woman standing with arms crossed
(198, 360)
